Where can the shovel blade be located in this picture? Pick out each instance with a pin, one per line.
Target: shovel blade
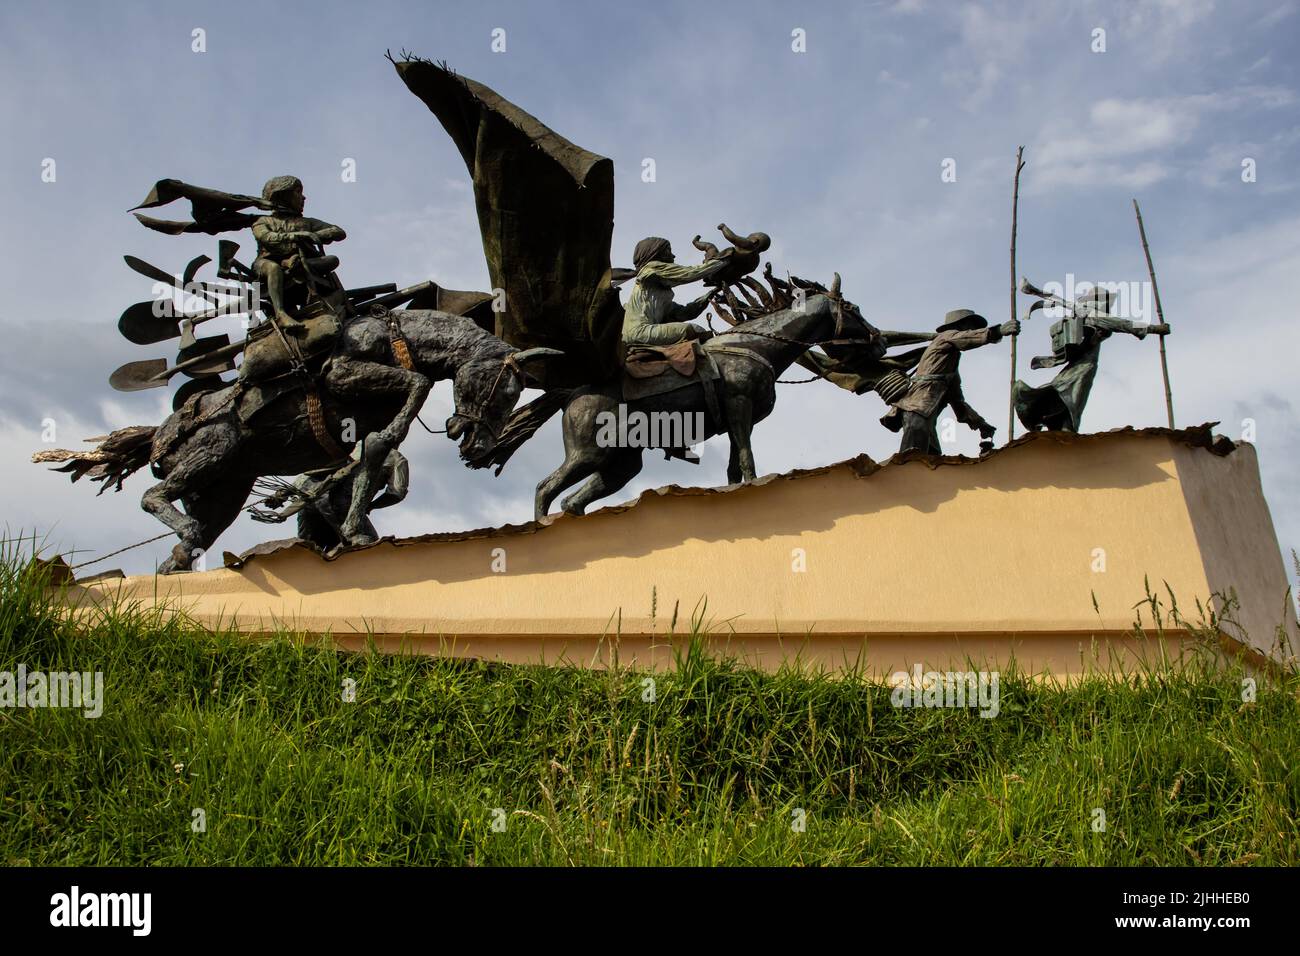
(211, 345)
(202, 347)
(220, 359)
(138, 324)
(137, 376)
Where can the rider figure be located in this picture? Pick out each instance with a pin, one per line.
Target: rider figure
(281, 236)
(651, 317)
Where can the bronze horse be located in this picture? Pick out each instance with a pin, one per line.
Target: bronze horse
(750, 358)
(207, 457)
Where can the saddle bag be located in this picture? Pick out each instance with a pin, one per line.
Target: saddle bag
(265, 355)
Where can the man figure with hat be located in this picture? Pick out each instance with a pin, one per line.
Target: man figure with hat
(1076, 344)
(280, 238)
(936, 383)
(651, 317)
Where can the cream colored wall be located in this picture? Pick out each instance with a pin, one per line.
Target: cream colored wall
(1239, 548)
(923, 562)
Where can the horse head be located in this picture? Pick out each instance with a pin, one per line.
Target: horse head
(850, 323)
(485, 392)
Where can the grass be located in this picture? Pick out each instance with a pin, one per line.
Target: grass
(717, 769)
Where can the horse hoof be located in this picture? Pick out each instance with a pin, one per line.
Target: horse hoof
(180, 560)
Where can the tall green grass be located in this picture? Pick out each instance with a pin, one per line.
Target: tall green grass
(718, 769)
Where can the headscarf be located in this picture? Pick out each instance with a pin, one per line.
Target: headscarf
(649, 250)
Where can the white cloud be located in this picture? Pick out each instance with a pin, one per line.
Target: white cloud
(1115, 145)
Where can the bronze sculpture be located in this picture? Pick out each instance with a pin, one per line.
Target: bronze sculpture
(1076, 345)
(332, 367)
(651, 317)
(936, 384)
(287, 245)
(733, 388)
(743, 255)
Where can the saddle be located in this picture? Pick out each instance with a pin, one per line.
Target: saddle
(647, 362)
(656, 371)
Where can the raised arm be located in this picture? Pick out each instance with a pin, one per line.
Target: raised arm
(672, 274)
(1124, 325)
(688, 311)
(974, 338)
(906, 338)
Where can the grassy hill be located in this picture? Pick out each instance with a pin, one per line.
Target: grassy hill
(446, 762)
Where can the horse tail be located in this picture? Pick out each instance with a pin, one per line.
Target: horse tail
(116, 457)
(523, 424)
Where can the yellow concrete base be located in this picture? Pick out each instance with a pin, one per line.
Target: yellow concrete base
(1039, 551)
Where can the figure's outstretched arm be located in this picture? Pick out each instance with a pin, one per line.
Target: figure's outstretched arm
(670, 273)
(1141, 330)
(906, 338)
(974, 338)
(685, 312)
(666, 333)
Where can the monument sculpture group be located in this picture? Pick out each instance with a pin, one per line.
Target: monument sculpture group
(310, 422)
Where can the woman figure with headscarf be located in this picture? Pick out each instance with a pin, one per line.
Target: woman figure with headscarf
(651, 317)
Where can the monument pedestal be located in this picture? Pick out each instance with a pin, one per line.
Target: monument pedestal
(1039, 550)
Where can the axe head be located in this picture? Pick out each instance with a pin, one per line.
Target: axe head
(1028, 288)
(188, 341)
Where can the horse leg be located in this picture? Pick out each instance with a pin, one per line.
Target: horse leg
(613, 475)
(200, 464)
(158, 502)
(215, 508)
(582, 454)
(359, 380)
(740, 429)
(578, 464)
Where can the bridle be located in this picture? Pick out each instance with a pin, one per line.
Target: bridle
(402, 353)
(507, 363)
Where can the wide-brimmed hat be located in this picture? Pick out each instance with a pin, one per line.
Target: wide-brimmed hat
(962, 320)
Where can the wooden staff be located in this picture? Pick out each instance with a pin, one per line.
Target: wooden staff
(1015, 207)
(1160, 314)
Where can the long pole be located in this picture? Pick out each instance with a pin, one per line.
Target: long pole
(1160, 314)
(1015, 209)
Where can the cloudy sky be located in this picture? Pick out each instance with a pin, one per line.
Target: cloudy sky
(837, 151)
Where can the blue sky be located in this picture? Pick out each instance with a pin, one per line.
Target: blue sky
(836, 152)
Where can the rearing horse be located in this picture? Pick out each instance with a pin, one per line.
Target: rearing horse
(208, 458)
